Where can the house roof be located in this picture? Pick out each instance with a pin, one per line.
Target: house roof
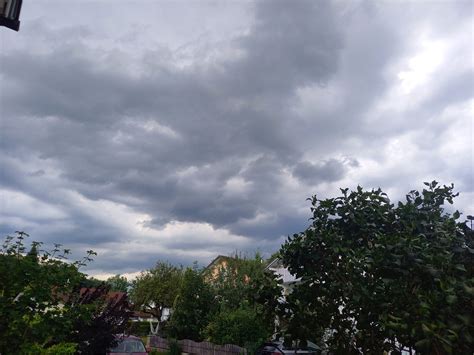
(276, 266)
(141, 314)
(217, 260)
(115, 296)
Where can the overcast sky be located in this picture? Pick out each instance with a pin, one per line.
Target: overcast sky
(180, 130)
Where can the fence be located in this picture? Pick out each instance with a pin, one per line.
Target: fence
(195, 348)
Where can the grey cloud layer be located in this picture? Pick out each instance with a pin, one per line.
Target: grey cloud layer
(229, 142)
(93, 109)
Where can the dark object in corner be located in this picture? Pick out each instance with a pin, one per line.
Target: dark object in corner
(10, 14)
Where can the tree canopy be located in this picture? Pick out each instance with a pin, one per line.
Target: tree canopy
(241, 316)
(156, 289)
(118, 283)
(42, 306)
(193, 307)
(229, 304)
(377, 276)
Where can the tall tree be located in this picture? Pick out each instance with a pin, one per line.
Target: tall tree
(378, 276)
(118, 283)
(41, 305)
(193, 307)
(156, 289)
(238, 280)
(101, 316)
(242, 316)
(240, 326)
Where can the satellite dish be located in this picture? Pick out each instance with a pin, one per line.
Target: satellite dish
(10, 14)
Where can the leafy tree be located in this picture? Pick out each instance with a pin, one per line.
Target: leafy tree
(378, 277)
(193, 307)
(118, 283)
(268, 295)
(156, 289)
(91, 282)
(41, 307)
(242, 293)
(62, 349)
(240, 326)
(98, 316)
(30, 294)
(238, 280)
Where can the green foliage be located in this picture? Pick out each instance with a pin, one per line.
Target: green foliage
(139, 328)
(31, 289)
(204, 301)
(40, 302)
(241, 326)
(98, 317)
(267, 296)
(57, 349)
(380, 275)
(91, 282)
(118, 283)
(156, 288)
(244, 314)
(193, 307)
(238, 281)
(245, 280)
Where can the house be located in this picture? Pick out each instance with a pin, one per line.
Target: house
(112, 297)
(288, 279)
(222, 265)
(214, 269)
(140, 316)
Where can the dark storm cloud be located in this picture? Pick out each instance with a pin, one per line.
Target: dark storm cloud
(94, 106)
(282, 222)
(330, 170)
(65, 223)
(289, 46)
(238, 142)
(120, 264)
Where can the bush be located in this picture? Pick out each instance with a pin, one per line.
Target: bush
(41, 299)
(58, 349)
(139, 328)
(383, 276)
(192, 308)
(242, 327)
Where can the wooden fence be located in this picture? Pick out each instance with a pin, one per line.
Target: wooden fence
(195, 348)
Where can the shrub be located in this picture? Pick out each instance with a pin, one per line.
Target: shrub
(139, 328)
